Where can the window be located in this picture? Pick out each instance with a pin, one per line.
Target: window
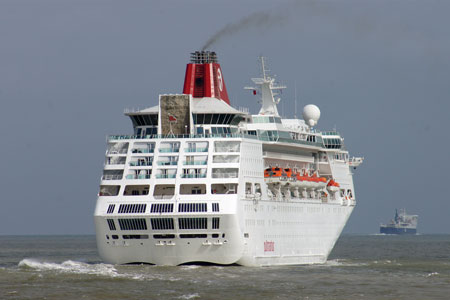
(135, 236)
(215, 207)
(112, 174)
(111, 208)
(224, 188)
(193, 223)
(192, 207)
(215, 223)
(164, 236)
(164, 190)
(136, 190)
(193, 236)
(132, 224)
(111, 224)
(132, 208)
(248, 188)
(109, 190)
(257, 188)
(162, 223)
(189, 189)
(162, 208)
(225, 172)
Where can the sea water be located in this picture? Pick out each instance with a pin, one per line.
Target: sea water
(360, 267)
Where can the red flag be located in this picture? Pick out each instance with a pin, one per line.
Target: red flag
(172, 118)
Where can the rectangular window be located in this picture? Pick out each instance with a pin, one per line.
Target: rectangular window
(135, 236)
(111, 208)
(132, 208)
(193, 236)
(109, 190)
(111, 224)
(193, 223)
(192, 207)
(132, 224)
(162, 208)
(162, 223)
(164, 236)
(215, 207)
(215, 223)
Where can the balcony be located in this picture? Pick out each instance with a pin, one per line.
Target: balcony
(195, 163)
(167, 163)
(115, 161)
(115, 151)
(226, 159)
(141, 163)
(196, 149)
(133, 176)
(193, 175)
(165, 176)
(112, 177)
(169, 150)
(225, 175)
(142, 150)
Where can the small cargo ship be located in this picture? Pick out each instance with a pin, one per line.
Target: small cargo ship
(401, 224)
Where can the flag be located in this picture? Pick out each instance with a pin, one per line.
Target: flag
(172, 118)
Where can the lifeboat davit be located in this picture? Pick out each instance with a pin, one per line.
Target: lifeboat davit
(333, 186)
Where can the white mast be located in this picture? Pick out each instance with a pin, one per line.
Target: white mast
(266, 85)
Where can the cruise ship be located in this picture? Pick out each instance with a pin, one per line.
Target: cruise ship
(199, 181)
(401, 224)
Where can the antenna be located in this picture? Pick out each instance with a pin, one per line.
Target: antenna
(295, 100)
(263, 67)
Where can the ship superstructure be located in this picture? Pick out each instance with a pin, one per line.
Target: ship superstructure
(201, 181)
(401, 224)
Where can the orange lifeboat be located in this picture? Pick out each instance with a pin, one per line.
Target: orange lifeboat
(278, 175)
(310, 182)
(333, 186)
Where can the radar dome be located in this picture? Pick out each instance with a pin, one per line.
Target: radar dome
(311, 114)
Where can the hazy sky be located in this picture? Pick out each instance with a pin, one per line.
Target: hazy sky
(378, 70)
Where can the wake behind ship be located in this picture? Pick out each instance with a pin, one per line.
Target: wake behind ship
(200, 181)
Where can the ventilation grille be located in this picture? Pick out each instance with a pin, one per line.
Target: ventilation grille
(215, 223)
(161, 208)
(193, 223)
(162, 224)
(111, 224)
(132, 224)
(111, 208)
(132, 208)
(192, 207)
(215, 207)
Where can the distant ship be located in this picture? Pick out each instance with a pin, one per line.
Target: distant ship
(401, 224)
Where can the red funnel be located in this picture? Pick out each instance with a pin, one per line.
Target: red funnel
(204, 77)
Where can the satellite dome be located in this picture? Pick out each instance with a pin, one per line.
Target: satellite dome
(311, 114)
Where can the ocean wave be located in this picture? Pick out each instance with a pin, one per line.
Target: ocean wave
(340, 263)
(432, 274)
(189, 296)
(99, 269)
(71, 266)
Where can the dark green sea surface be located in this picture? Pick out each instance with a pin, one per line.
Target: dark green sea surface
(360, 267)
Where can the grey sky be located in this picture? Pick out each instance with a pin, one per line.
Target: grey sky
(378, 70)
